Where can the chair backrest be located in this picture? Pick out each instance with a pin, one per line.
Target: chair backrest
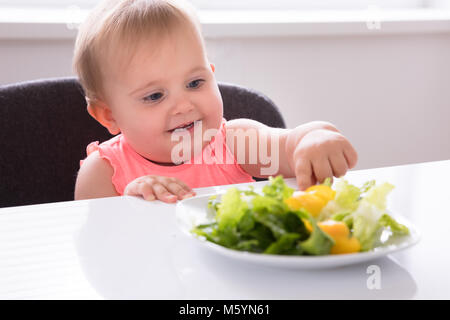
(45, 128)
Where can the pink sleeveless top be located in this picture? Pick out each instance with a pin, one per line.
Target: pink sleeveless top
(216, 165)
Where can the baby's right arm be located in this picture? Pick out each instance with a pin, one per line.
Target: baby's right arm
(94, 179)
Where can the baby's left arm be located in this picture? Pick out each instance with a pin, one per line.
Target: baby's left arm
(310, 152)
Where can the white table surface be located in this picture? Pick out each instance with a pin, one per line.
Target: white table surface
(127, 248)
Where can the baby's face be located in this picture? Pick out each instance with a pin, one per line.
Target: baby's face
(167, 83)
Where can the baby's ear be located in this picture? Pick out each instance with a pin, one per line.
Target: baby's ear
(103, 114)
(213, 67)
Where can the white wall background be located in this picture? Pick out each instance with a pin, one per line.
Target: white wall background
(390, 94)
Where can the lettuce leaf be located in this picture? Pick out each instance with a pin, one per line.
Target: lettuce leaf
(364, 211)
(231, 209)
(268, 204)
(284, 244)
(377, 195)
(370, 218)
(365, 225)
(346, 200)
(397, 229)
(277, 189)
(347, 195)
(318, 243)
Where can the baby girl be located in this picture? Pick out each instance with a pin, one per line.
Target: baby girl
(147, 79)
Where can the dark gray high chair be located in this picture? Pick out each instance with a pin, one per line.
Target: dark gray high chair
(45, 128)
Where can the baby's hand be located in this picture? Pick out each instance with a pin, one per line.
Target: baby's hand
(320, 154)
(167, 189)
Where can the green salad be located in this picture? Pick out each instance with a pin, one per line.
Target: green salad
(320, 221)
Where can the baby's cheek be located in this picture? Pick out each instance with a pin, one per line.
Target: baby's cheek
(217, 114)
(214, 101)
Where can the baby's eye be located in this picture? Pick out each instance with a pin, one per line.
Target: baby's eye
(153, 97)
(195, 84)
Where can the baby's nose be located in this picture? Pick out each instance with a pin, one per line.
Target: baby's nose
(183, 106)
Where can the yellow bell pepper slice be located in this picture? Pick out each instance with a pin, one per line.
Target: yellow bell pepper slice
(322, 191)
(310, 202)
(340, 233)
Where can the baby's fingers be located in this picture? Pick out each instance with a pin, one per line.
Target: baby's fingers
(351, 156)
(163, 194)
(338, 164)
(179, 188)
(140, 188)
(322, 169)
(304, 174)
(146, 190)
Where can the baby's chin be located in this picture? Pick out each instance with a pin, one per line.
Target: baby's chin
(177, 154)
(180, 153)
(196, 139)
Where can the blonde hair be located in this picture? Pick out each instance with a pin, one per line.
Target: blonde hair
(122, 23)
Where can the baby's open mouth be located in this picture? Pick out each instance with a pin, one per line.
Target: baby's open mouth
(185, 126)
